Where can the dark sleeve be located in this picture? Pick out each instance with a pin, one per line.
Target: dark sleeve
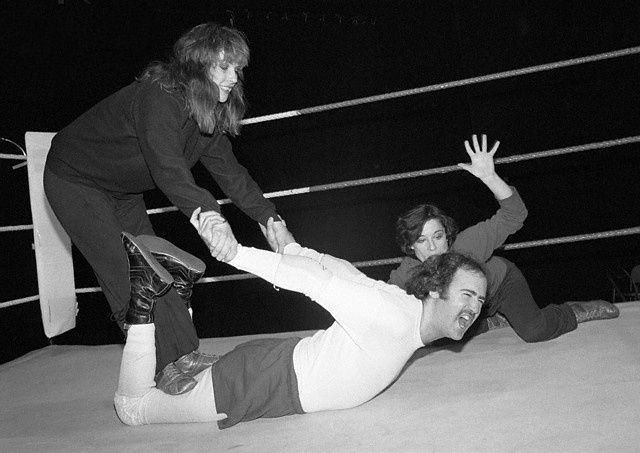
(401, 275)
(235, 181)
(160, 121)
(483, 238)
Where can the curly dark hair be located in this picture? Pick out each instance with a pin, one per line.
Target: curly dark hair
(436, 273)
(409, 225)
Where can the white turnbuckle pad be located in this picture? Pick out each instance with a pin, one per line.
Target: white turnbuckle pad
(56, 285)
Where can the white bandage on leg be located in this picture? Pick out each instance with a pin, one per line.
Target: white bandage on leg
(137, 369)
(138, 363)
(196, 406)
(129, 410)
(138, 402)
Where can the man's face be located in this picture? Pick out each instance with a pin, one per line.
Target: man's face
(463, 303)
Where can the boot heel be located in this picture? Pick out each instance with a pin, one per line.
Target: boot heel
(148, 280)
(159, 246)
(132, 244)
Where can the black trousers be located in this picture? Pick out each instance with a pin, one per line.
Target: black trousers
(533, 324)
(94, 219)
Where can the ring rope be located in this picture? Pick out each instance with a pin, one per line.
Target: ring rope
(12, 156)
(431, 171)
(441, 170)
(387, 261)
(429, 88)
(16, 228)
(446, 85)
(574, 238)
(406, 175)
(19, 301)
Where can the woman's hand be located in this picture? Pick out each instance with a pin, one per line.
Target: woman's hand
(481, 166)
(277, 234)
(216, 232)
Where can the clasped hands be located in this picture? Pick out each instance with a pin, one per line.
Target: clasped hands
(216, 233)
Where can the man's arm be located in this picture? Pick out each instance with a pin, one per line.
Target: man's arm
(277, 234)
(282, 241)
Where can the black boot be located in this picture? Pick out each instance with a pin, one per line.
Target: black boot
(177, 378)
(149, 280)
(173, 381)
(593, 309)
(185, 268)
(195, 362)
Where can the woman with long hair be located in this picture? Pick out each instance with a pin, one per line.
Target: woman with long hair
(149, 135)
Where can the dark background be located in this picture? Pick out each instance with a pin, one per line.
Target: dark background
(61, 57)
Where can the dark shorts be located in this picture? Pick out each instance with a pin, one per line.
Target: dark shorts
(256, 380)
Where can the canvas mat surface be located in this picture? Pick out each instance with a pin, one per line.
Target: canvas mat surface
(579, 392)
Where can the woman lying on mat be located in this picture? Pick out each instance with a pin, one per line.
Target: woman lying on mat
(425, 231)
(376, 330)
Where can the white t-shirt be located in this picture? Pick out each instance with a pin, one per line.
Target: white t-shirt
(376, 328)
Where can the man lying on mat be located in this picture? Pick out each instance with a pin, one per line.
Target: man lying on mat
(376, 330)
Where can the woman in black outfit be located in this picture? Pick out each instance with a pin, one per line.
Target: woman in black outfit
(149, 135)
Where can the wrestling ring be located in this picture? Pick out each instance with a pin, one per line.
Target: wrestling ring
(579, 392)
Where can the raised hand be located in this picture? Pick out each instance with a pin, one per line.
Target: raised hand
(482, 165)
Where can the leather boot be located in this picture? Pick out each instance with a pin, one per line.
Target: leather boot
(195, 362)
(172, 381)
(593, 309)
(178, 377)
(185, 268)
(149, 280)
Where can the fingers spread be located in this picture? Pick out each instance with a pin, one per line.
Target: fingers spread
(476, 145)
(467, 146)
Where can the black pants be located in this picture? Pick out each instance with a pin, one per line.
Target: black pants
(533, 324)
(94, 219)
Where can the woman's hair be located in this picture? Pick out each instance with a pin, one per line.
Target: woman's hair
(409, 225)
(437, 271)
(187, 72)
